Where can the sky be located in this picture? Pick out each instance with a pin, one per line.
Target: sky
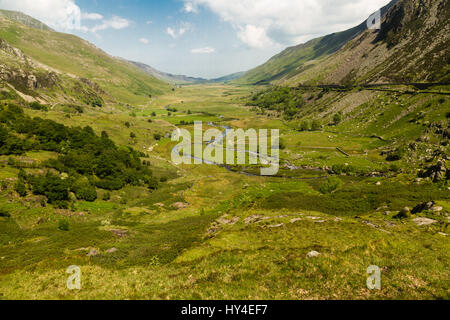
(201, 38)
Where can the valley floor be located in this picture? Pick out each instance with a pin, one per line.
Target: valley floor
(211, 233)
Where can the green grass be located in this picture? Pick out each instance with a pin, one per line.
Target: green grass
(184, 254)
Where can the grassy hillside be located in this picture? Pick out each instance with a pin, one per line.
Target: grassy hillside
(76, 58)
(208, 233)
(363, 181)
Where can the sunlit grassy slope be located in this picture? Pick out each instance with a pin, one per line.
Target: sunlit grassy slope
(240, 236)
(71, 55)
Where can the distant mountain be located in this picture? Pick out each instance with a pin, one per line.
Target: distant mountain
(167, 77)
(181, 79)
(229, 77)
(52, 67)
(295, 59)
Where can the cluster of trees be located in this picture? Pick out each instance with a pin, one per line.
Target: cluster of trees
(186, 123)
(174, 110)
(281, 99)
(82, 154)
(56, 187)
(310, 125)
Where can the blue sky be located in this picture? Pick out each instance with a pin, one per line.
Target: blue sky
(205, 38)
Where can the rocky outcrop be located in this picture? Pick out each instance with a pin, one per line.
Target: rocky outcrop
(437, 172)
(23, 73)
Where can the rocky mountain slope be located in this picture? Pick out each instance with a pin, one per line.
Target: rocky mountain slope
(412, 46)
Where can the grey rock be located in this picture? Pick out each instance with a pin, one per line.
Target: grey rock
(313, 254)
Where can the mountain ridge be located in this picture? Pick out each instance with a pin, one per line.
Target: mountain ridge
(183, 79)
(297, 57)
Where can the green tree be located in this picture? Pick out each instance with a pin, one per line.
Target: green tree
(330, 185)
(337, 119)
(21, 188)
(315, 126)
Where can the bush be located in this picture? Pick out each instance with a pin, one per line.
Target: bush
(157, 136)
(396, 155)
(282, 145)
(84, 191)
(60, 204)
(337, 119)
(54, 188)
(21, 189)
(341, 168)
(304, 126)
(4, 213)
(331, 185)
(107, 196)
(63, 225)
(315, 126)
(37, 106)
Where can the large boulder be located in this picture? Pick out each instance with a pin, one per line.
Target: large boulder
(437, 172)
(422, 207)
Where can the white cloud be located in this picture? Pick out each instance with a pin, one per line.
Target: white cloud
(115, 23)
(58, 14)
(190, 7)
(63, 15)
(176, 32)
(91, 16)
(261, 23)
(254, 36)
(204, 50)
(144, 40)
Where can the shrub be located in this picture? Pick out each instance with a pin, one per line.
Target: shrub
(4, 213)
(337, 119)
(21, 189)
(54, 188)
(37, 106)
(315, 126)
(157, 136)
(396, 155)
(341, 168)
(330, 185)
(60, 204)
(304, 126)
(107, 196)
(63, 225)
(84, 191)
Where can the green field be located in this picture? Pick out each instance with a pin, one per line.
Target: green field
(212, 233)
